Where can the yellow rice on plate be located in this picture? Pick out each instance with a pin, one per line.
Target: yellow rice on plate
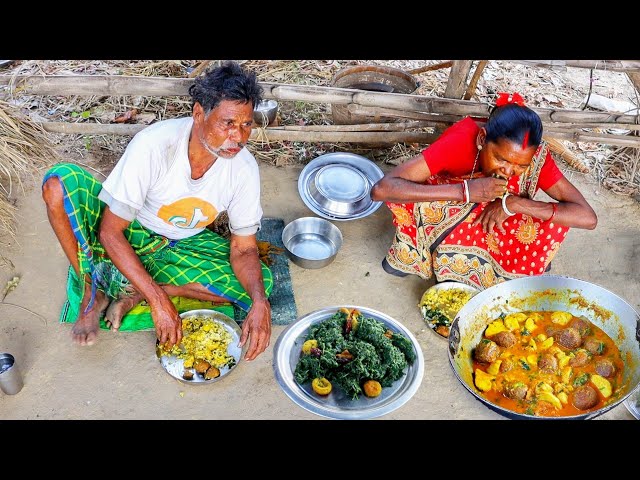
(204, 339)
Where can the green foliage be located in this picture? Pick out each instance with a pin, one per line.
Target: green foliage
(84, 115)
(375, 355)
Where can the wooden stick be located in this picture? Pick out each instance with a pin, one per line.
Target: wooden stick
(429, 68)
(458, 78)
(471, 89)
(200, 68)
(635, 79)
(557, 147)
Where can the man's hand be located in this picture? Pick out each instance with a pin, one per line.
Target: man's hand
(492, 216)
(167, 322)
(257, 329)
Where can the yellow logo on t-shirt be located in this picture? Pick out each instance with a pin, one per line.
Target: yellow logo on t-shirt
(188, 212)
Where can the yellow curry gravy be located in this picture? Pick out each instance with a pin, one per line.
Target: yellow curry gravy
(549, 364)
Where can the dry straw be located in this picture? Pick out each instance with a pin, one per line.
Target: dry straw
(25, 150)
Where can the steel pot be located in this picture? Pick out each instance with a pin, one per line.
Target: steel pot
(605, 309)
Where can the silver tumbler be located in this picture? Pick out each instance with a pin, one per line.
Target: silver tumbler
(10, 378)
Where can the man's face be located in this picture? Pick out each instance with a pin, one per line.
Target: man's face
(505, 159)
(225, 131)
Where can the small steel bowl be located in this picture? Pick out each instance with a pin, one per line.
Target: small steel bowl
(311, 242)
(340, 190)
(265, 112)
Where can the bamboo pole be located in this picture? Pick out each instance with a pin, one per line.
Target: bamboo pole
(97, 85)
(433, 118)
(269, 134)
(621, 140)
(347, 137)
(115, 85)
(363, 127)
(93, 128)
(436, 119)
(612, 65)
(311, 133)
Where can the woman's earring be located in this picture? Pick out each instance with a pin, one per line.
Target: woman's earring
(479, 147)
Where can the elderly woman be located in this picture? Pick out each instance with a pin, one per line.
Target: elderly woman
(464, 208)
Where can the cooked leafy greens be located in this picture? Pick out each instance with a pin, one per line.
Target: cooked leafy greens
(353, 349)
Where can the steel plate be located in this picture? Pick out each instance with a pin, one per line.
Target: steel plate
(633, 403)
(371, 172)
(341, 183)
(338, 406)
(445, 286)
(174, 366)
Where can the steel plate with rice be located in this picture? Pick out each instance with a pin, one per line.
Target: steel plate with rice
(440, 304)
(337, 404)
(203, 342)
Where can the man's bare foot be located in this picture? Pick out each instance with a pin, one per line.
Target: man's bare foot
(119, 308)
(85, 330)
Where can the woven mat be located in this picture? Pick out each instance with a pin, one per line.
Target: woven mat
(283, 304)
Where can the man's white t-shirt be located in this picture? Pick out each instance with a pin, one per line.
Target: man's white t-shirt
(152, 183)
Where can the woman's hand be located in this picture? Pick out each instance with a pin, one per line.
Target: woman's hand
(486, 189)
(492, 216)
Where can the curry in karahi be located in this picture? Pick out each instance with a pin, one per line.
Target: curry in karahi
(548, 364)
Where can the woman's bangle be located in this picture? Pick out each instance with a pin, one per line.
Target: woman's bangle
(504, 205)
(465, 192)
(555, 209)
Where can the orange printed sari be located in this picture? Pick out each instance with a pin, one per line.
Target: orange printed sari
(437, 238)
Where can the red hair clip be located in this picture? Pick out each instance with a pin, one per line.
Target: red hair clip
(508, 98)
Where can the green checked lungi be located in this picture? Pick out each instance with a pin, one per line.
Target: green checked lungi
(202, 258)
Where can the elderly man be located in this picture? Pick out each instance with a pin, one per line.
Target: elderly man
(142, 235)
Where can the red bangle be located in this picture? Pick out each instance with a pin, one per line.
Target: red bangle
(555, 209)
(464, 193)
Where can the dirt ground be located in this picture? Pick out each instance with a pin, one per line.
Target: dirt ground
(120, 377)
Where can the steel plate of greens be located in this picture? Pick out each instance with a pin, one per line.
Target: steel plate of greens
(371, 363)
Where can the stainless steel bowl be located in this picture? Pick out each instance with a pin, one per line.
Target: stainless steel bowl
(265, 112)
(311, 242)
(547, 292)
(340, 189)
